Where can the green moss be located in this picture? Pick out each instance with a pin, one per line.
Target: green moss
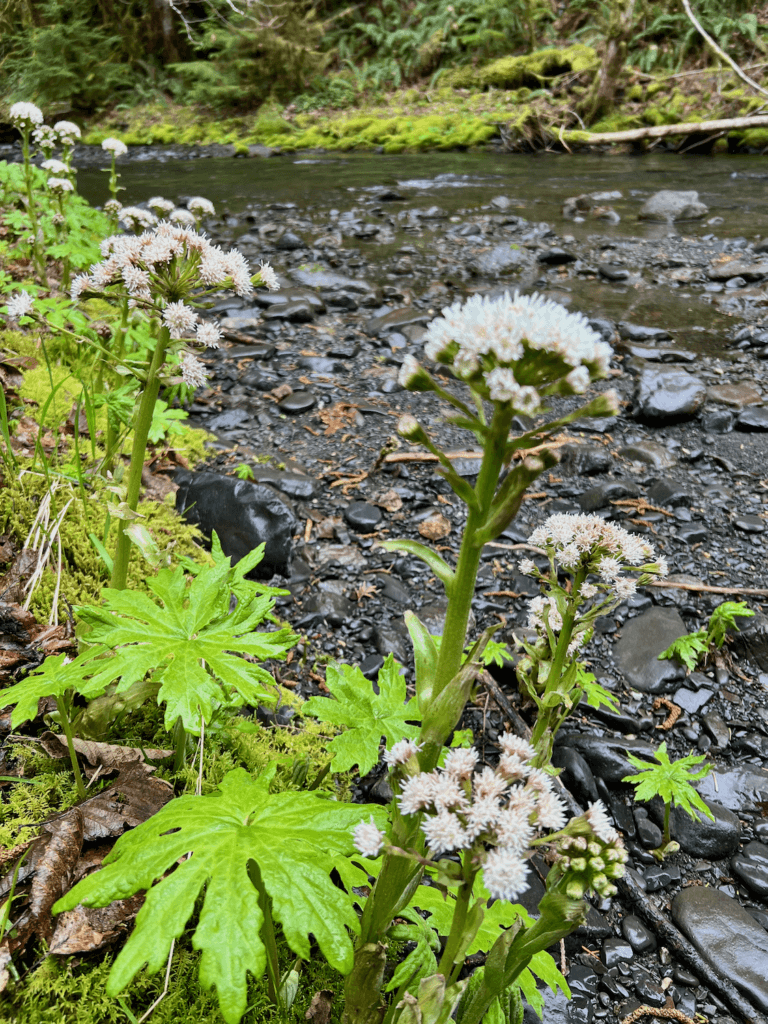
(71, 990)
(530, 69)
(83, 573)
(635, 93)
(654, 88)
(26, 804)
(757, 138)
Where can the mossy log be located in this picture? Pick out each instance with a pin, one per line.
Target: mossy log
(661, 130)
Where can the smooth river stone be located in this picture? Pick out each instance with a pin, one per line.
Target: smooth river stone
(642, 641)
(727, 937)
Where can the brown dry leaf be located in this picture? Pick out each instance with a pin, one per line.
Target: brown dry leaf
(50, 882)
(16, 575)
(390, 501)
(109, 757)
(281, 391)
(436, 527)
(339, 416)
(84, 929)
(156, 485)
(132, 798)
(319, 1011)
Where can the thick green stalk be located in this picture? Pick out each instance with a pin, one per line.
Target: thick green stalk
(399, 876)
(455, 939)
(141, 425)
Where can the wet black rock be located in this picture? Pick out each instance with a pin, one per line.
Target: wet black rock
(752, 639)
(642, 641)
(584, 460)
(753, 419)
(650, 453)
(395, 318)
(555, 257)
(717, 729)
(362, 517)
(391, 640)
(613, 271)
(243, 515)
(665, 396)
(743, 788)
(607, 755)
(670, 205)
(577, 775)
(502, 259)
(638, 332)
(669, 493)
(648, 991)
(692, 700)
(392, 588)
(298, 311)
(749, 524)
(727, 937)
(615, 950)
(297, 402)
(640, 938)
(718, 421)
(648, 834)
(288, 241)
(370, 665)
(603, 494)
(228, 420)
(661, 876)
(293, 484)
(329, 603)
(751, 866)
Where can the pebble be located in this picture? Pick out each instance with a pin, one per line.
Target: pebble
(297, 402)
(614, 950)
(664, 396)
(642, 640)
(640, 938)
(362, 517)
(751, 866)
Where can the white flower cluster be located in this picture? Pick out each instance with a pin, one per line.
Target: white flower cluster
(193, 371)
(53, 166)
(148, 265)
(490, 339)
(502, 808)
(201, 207)
(20, 305)
(589, 543)
(60, 185)
(68, 133)
(24, 115)
(114, 146)
(45, 138)
(182, 216)
(160, 205)
(136, 219)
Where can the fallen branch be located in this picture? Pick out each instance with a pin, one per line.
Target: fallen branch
(661, 130)
(688, 954)
(705, 588)
(721, 53)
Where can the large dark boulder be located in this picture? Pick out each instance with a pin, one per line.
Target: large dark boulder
(243, 515)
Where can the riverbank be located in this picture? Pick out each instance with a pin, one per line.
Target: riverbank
(519, 103)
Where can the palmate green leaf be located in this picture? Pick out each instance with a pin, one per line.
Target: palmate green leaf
(671, 780)
(183, 640)
(292, 838)
(688, 649)
(366, 716)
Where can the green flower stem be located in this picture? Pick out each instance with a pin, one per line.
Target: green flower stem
(38, 257)
(667, 809)
(455, 940)
(141, 425)
(66, 725)
(543, 736)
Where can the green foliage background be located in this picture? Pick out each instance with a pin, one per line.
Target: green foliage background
(83, 55)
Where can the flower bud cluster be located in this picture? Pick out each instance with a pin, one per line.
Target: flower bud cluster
(513, 349)
(114, 146)
(594, 858)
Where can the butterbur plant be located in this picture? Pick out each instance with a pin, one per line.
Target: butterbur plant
(163, 273)
(116, 149)
(703, 644)
(673, 782)
(594, 565)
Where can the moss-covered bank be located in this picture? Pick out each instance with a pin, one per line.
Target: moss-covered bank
(528, 101)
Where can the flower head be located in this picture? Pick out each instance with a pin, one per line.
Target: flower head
(201, 206)
(20, 305)
(505, 873)
(269, 277)
(181, 216)
(445, 833)
(54, 166)
(67, 131)
(25, 115)
(368, 839)
(208, 334)
(81, 283)
(161, 205)
(193, 371)
(136, 219)
(114, 146)
(113, 207)
(496, 345)
(597, 816)
(401, 752)
(60, 185)
(179, 319)
(46, 138)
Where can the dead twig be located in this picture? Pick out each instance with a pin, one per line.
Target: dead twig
(720, 52)
(705, 588)
(662, 130)
(665, 1012)
(674, 712)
